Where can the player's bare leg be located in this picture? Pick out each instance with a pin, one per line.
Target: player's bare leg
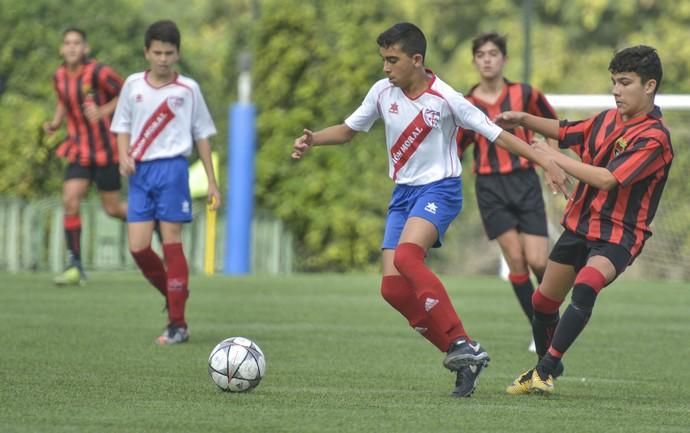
(536, 250)
(113, 205)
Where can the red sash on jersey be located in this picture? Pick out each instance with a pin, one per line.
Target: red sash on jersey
(408, 142)
(151, 130)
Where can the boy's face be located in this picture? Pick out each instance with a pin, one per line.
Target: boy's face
(162, 56)
(489, 61)
(74, 48)
(398, 66)
(631, 95)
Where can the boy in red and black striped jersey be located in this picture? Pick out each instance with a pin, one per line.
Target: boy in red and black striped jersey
(87, 94)
(626, 156)
(507, 187)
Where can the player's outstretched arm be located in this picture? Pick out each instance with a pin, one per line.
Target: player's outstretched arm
(542, 125)
(598, 177)
(550, 182)
(514, 145)
(336, 134)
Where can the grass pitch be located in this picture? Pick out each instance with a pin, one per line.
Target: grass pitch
(82, 359)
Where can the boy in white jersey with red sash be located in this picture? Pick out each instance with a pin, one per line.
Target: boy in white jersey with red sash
(158, 118)
(421, 114)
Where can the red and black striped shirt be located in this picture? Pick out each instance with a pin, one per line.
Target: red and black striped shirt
(488, 157)
(87, 143)
(639, 154)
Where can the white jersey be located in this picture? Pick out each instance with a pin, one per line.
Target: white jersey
(421, 132)
(163, 122)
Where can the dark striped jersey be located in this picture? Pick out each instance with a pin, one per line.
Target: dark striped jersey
(490, 158)
(638, 153)
(87, 143)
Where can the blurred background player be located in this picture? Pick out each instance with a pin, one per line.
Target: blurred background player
(626, 156)
(160, 115)
(508, 189)
(87, 93)
(421, 114)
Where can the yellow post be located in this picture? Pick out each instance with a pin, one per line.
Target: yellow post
(210, 243)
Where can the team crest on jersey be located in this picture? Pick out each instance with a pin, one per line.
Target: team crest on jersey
(431, 117)
(620, 146)
(139, 98)
(175, 101)
(394, 108)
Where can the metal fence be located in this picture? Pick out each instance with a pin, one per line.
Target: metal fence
(32, 239)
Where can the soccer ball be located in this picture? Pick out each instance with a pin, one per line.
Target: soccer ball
(236, 364)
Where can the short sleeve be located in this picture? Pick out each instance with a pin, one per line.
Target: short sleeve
(540, 106)
(468, 116)
(644, 157)
(122, 118)
(363, 118)
(202, 123)
(110, 81)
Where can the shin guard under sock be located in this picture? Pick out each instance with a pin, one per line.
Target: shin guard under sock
(178, 279)
(409, 260)
(398, 292)
(544, 321)
(152, 267)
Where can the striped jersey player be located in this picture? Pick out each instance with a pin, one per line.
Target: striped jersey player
(507, 187)
(625, 159)
(87, 92)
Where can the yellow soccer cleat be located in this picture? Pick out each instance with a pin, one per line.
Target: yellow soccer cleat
(539, 385)
(522, 385)
(70, 277)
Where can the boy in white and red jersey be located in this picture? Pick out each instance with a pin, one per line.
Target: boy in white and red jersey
(158, 118)
(421, 114)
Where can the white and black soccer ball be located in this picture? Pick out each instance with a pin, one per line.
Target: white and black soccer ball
(236, 364)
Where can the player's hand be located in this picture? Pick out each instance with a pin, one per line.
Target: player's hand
(127, 166)
(92, 112)
(214, 201)
(302, 144)
(50, 127)
(551, 179)
(557, 179)
(509, 119)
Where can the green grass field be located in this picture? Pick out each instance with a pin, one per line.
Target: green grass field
(82, 359)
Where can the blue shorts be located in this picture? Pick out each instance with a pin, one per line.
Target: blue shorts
(438, 202)
(159, 190)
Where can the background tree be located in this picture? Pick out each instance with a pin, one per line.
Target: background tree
(314, 61)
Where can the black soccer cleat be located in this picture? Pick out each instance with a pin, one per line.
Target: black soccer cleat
(463, 353)
(467, 380)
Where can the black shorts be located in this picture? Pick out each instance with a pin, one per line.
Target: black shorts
(574, 249)
(106, 178)
(511, 200)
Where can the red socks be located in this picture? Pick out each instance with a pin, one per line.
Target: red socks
(409, 260)
(178, 278)
(171, 283)
(72, 225)
(152, 267)
(398, 292)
